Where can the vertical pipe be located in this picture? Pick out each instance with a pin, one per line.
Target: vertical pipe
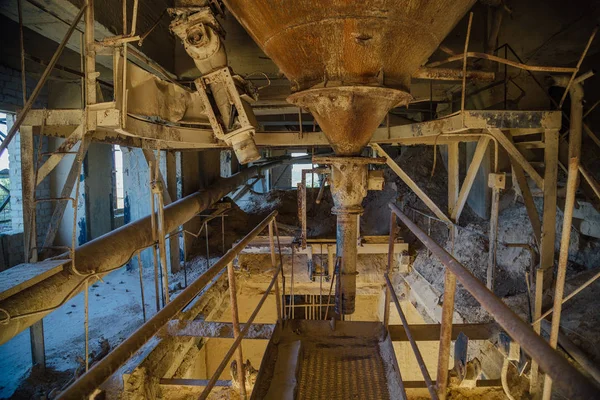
(493, 238)
(22, 46)
(446, 326)
(282, 274)
(223, 233)
(537, 311)
(206, 239)
(391, 242)
(86, 324)
(139, 257)
(153, 228)
(575, 130)
(236, 328)
(464, 71)
(274, 265)
(163, 245)
(346, 249)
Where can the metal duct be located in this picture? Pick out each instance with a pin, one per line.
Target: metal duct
(110, 251)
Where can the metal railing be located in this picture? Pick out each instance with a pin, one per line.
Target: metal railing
(92, 379)
(567, 378)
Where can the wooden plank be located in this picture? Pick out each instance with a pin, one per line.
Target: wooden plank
(23, 276)
(412, 184)
(470, 177)
(517, 156)
(521, 180)
(453, 177)
(59, 154)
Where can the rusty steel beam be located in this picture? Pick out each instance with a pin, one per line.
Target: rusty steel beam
(568, 380)
(107, 253)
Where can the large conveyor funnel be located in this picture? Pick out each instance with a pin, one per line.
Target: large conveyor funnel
(349, 63)
(340, 43)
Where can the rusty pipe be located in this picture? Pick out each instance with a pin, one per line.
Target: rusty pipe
(106, 253)
(347, 236)
(569, 380)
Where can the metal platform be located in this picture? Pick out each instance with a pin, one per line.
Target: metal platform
(308, 359)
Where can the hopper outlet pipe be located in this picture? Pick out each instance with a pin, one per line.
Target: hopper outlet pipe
(230, 116)
(349, 184)
(102, 255)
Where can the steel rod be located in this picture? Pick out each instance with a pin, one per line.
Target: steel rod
(238, 341)
(236, 328)
(446, 324)
(569, 380)
(38, 88)
(139, 257)
(413, 344)
(86, 325)
(91, 380)
(391, 240)
(281, 264)
(585, 51)
(153, 227)
(274, 265)
(22, 47)
(563, 259)
(464, 68)
(163, 245)
(570, 296)
(474, 54)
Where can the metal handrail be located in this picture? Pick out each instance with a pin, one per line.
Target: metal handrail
(413, 343)
(215, 377)
(92, 379)
(567, 378)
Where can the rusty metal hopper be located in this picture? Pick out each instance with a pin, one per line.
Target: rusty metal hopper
(349, 62)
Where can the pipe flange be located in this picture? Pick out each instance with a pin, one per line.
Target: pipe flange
(350, 210)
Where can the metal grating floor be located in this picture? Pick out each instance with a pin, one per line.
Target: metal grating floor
(351, 371)
(308, 359)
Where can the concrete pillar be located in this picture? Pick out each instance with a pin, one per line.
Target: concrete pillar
(479, 198)
(171, 159)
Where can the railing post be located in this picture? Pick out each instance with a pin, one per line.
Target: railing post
(236, 329)
(274, 265)
(391, 242)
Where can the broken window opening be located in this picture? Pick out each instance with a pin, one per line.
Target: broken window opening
(5, 209)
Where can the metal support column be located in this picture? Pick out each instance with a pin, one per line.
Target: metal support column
(575, 130)
(274, 265)
(236, 329)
